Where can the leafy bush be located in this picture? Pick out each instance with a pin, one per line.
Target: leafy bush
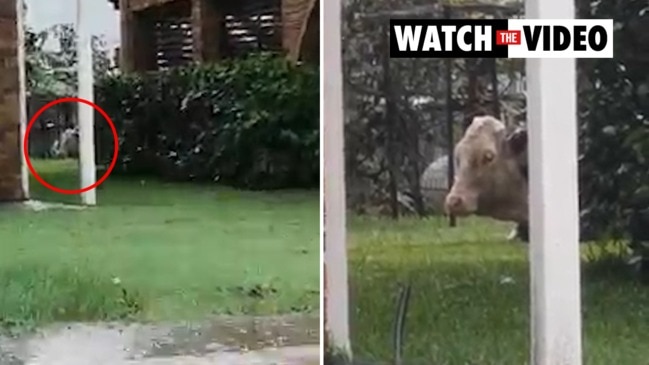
(614, 120)
(250, 123)
(614, 131)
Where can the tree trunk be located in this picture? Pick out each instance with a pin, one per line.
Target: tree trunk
(299, 17)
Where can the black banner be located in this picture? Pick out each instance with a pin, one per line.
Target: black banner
(432, 34)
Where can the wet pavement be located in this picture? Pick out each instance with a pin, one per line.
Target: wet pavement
(223, 340)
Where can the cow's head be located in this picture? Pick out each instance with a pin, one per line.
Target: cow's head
(490, 172)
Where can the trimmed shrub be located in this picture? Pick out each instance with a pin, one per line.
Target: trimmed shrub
(250, 123)
(614, 115)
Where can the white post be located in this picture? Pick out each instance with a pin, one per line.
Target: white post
(554, 210)
(85, 112)
(22, 87)
(335, 254)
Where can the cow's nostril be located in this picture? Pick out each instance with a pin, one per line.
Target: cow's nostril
(454, 202)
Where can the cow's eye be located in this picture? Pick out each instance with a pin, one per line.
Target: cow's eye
(488, 157)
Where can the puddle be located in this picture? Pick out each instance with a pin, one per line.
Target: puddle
(288, 340)
(229, 334)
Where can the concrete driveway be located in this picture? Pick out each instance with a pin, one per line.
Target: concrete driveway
(226, 340)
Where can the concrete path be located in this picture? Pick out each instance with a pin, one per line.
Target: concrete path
(249, 341)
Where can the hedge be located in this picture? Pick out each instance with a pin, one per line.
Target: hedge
(250, 123)
(614, 115)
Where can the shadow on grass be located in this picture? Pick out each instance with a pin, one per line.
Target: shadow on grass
(147, 191)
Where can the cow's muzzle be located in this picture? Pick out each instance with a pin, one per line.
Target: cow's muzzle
(458, 205)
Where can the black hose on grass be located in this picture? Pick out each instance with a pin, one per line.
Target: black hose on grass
(399, 323)
(332, 358)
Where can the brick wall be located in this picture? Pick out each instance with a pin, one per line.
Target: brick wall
(10, 159)
(299, 29)
(206, 30)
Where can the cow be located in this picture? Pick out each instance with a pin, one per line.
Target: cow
(67, 145)
(491, 174)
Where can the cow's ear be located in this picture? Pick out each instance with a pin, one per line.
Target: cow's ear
(517, 141)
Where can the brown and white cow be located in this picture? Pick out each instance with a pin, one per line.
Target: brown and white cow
(491, 173)
(67, 145)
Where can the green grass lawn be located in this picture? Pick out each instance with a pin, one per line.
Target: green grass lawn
(155, 251)
(470, 296)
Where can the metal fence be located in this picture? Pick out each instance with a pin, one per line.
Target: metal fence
(49, 125)
(402, 116)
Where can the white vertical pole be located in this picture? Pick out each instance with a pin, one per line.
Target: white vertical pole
(554, 210)
(22, 90)
(335, 255)
(85, 112)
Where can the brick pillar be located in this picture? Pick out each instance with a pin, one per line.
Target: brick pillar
(207, 28)
(145, 54)
(11, 188)
(126, 58)
(137, 48)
